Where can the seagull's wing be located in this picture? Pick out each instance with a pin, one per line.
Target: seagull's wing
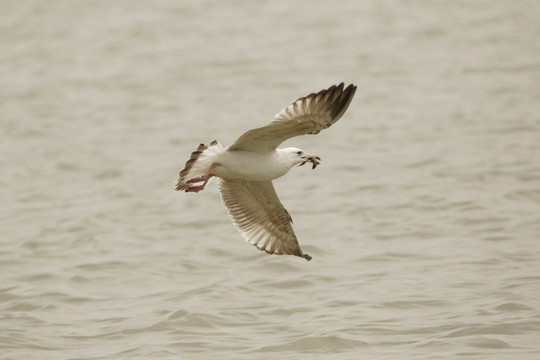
(307, 115)
(256, 211)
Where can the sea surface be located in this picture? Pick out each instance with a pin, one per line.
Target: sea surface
(423, 219)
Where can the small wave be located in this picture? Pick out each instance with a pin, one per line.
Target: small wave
(489, 343)
(507, 329)
(413, 304)
(512, 307)
(317, 344)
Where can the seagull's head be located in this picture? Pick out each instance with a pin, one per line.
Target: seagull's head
(299, 156)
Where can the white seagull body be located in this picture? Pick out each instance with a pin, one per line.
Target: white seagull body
(247, 167)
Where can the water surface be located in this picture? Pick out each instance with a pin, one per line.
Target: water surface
(423, 219)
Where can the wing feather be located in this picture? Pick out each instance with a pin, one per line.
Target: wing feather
(307, 115)
(256, 211)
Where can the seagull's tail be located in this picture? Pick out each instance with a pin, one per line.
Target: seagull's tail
(198, 164)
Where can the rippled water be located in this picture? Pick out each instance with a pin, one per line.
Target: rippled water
(423, 220)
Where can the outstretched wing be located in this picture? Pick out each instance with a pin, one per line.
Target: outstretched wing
(307, 115)
(256, 211)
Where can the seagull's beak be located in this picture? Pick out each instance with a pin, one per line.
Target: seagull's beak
(315, 160)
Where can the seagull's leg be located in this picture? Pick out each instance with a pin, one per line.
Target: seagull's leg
(196, 180)
(194, 189)
(204, 178)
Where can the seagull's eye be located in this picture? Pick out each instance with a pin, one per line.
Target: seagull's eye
(299, 153)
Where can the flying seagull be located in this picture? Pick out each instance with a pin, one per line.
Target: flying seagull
(247, 167)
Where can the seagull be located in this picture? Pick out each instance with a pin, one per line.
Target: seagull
(247, 167)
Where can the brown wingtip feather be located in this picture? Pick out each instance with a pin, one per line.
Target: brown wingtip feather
(340, 99)
(335, 97)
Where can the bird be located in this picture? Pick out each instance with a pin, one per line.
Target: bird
(246, 168)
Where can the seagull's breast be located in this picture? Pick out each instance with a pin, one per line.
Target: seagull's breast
(249, 165)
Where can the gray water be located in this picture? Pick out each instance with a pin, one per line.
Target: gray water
(423, 220)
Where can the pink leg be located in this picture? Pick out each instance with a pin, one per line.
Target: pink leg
(196, 180)
(204, 178)
(195, 189)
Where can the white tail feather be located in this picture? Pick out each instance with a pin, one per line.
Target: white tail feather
(198, 164)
